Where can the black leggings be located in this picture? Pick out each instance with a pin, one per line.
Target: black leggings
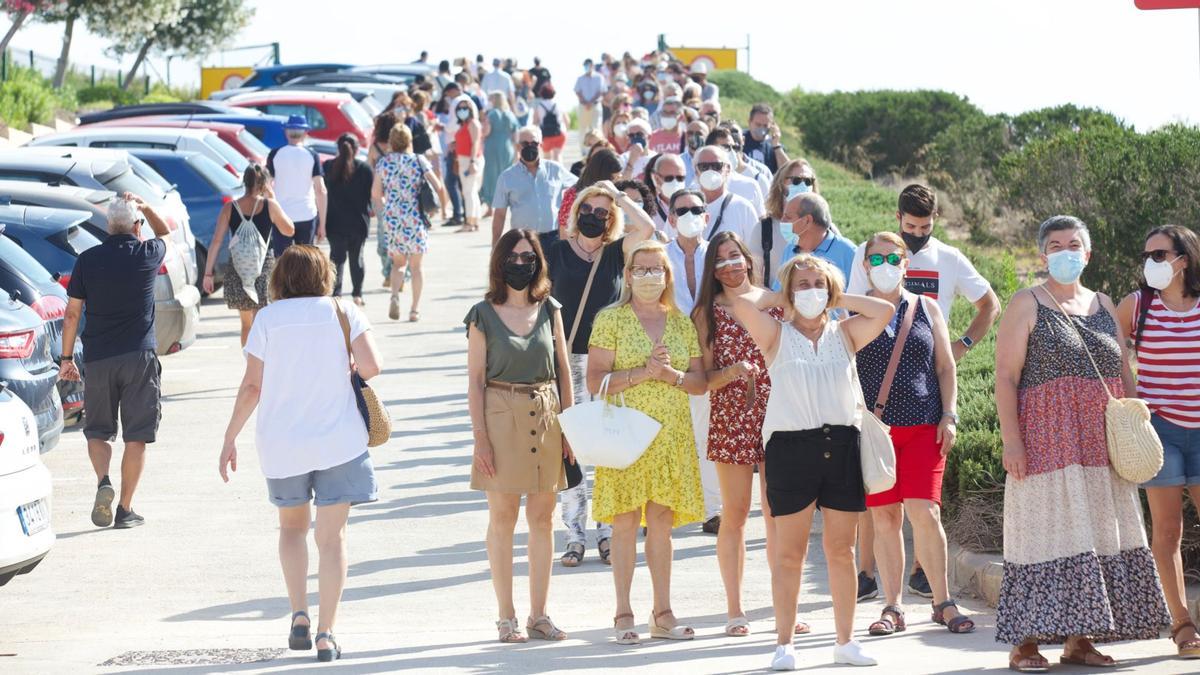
(341, 246)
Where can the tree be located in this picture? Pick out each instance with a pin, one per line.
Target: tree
(20, 11)
(66, 12)
(131, 25)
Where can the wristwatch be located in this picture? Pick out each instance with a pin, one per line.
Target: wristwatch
(679, 380)
(68, 357)
(953, 416)
(967, 341)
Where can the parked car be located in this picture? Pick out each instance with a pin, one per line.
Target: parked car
(182, 235)
(26, 535)
(204, 141)
(176, 300)
(329, 114)
(268, 129)
(28, 368)
(362, 95)
(232, 133)
(36, 287)
(328, 149)
(270, 76)
(144, 109)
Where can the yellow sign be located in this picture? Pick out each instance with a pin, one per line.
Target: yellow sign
(217, 79)
(715, 59)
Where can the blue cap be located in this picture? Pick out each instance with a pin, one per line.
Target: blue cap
(296, 122)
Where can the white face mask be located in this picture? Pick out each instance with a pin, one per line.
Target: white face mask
(712, 180)
(689, 225)
(811, 302)
(620, 129)
(671, 187)
(1159, 274)
(886, 277)
(669, 123)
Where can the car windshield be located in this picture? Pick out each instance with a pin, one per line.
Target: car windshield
(146, 173)
(19, 259)
(252, 143)
(357, 115)
(129, 182)
(231, 156)
(371, 106)
(216, 176)
(73, 240)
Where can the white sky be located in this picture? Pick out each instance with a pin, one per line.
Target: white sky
(1005, 56)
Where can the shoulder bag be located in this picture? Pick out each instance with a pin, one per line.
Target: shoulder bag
(573, 470)
(602, 434)
(1134, 448)
(428, 201)
(374, 413)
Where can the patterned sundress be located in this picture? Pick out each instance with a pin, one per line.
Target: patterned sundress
(1075, 554)
(737, 439)
(402, 224)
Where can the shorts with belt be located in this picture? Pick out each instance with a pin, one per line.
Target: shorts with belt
(821, 465)
(522, 427)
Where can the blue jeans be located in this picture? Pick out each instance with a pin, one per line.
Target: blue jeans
(352, 482)
(1181, 455)
(452, 185)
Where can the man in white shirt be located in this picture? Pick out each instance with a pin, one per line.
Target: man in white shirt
(589, 88)
(299, 187)
(708, 90)
(726, 210)
(498, 80)
(729, 136)
(635, 158)
(667, 179)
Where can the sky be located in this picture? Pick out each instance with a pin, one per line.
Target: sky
(1011, 56)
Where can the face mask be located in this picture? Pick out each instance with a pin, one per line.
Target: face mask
(800, 189)
(1159, 274)
(1066, 266)
(790, 238)
(638, 139)
(886, 277)
(649, 287)
(759, 132)
(669, 123)
(529, 153)
(648, 95)
(670, 187)
(711, 180)
(518, 275)
(810, 302)
(589, 225)
(463, 114)
(695, 142)
(689, 225)
(620, 129)
(914, 242)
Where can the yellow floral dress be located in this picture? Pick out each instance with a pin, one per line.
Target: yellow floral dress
(668, 473)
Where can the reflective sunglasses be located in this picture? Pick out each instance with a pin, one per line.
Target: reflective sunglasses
(696, 210)
(525, 257)
(601, 212)
(877, 259)
(1159, 255)
(796, 180)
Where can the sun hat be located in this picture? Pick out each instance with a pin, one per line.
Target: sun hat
(296, 122)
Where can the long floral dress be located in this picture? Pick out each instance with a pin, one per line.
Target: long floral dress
(1075, 554)
(738, 438)
(403, 227)
(668, 473)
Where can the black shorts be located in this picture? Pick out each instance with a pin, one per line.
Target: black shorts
(128, 383)
(815, 464)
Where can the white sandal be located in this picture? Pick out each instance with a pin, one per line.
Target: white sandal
(735, 623)
(679, 632)
(625, 636)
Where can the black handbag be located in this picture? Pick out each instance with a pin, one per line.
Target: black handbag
(428, 201)
(573, 471)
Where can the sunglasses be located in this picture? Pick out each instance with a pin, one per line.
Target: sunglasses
(1158, 255)
(526, 257)
(680, 211)
(710, 166)
(796, 180)
(877, 259)
(601, 212)
(640, 272)
(529, 144)
(739, 261)
(668, 179)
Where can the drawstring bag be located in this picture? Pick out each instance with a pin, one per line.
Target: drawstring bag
(248, 252)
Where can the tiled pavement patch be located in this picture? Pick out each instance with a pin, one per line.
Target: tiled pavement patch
(194, 657)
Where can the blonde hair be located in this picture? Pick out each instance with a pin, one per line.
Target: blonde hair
(833, 277)
(593, 137)
(667, 299)
(886, 237)
(615, 226)
(498, 100)
(399, 138)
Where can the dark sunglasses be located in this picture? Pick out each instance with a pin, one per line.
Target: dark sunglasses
(877, 259)
(1158, 255)
(796, 180)
(529, 144)
(526, 257)
(601, 212)
(710, 166)
(695, 210)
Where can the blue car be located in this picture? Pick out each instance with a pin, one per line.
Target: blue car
(266, 128)
(273, 76)
(204, 187)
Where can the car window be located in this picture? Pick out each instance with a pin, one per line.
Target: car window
(73, 240)
(357, 115)
(315, 119)
(258, 133)
(226, 151)
(129, 182)
(133, 144)
(19, 259)
(34, 176)
(216, 176)
(285, 109)
(252, 143)
(148, 174)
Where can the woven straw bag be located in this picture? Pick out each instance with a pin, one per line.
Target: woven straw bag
(374, 413)
(1134, 449)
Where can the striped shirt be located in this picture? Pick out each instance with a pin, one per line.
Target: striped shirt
(1168, 362)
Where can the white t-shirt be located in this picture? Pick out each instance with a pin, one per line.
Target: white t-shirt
(937, 270)
(308, 417)
(739, 217)
(498, 80)
(294, 167)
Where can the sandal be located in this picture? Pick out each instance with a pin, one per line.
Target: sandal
(325, 655)
(679, 632)
(1188, 649)
(510, 631)
(1088, 656)
(1027, 659)
(959, 624)
(551, 633)
(885, 625)
(738, 626)
(625, 636)
(301, 636)
(604, 548)
(802, 628)
(414, 316)
(573, 556)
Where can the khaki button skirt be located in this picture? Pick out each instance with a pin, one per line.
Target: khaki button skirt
(522, 426)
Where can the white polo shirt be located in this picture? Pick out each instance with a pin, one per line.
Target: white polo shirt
(937, 270)
(678, 259)
(733, 213)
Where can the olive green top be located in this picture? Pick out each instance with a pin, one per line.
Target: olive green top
(512, 358)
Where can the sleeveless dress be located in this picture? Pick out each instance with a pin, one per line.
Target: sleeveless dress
(400, 177)
(738, 438)
(497, 151)
(235, 293)
(1075, 554)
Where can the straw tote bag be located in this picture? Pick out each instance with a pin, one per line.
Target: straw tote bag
(603, 434)
(374, 413)
(1134, 449)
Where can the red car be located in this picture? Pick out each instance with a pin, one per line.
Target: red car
(234, 134)
(329, 114)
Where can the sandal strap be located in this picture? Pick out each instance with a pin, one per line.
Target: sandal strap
(658, 615)
(301, 613)
(893, 609)
(941, 607)
(628, 615)
(1187, 623)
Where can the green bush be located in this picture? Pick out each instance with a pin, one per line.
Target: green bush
(737, 85)
(106, 92)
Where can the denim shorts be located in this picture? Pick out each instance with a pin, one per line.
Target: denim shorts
(352, 482)
(1181, 455)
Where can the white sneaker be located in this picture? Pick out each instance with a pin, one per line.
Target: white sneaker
(785, 658)
(852, 654)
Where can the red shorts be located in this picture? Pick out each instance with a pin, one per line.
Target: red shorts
(919, 466)
(554, 142)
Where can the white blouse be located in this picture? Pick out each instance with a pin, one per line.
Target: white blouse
(810, 388)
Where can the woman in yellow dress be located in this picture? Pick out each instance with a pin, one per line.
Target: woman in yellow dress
(650, 349)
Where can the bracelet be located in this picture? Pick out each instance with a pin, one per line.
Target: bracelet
(953, 416)
(679, 380)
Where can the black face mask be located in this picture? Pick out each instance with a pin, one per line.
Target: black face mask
(695, 141)
(590, 225)
(529, 153)
(913, 242)
(519, 275)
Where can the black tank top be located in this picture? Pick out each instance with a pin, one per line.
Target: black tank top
(261, 218)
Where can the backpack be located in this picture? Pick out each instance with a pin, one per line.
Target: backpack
(551, 126)
(247, 252)
(420, 139)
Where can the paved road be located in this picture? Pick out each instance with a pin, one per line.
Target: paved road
(200, 580)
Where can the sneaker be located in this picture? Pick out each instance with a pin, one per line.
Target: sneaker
(852, 654)
(785, 658)
(394, 308)
(867, 588)
(127, 519)
(102, 515)
(919, 584)
(712, 525)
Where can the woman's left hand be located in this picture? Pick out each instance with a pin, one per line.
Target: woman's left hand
(568, 454)
(228, 459)
(946, 433)
(610, 188)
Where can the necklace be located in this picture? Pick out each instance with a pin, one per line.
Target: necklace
(589, 254)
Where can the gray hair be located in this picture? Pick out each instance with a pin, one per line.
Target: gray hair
(1060, 224)
(813, 204)
(294, 134)
(532, 130)
(123, 216)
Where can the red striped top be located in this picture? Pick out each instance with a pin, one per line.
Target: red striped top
(1168, 361)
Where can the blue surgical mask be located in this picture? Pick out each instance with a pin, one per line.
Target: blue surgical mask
(790, 238)
(794, 190)
(1066, 266)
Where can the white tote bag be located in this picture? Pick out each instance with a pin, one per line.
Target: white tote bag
(603, 434)
(247, 252)
(876, 451)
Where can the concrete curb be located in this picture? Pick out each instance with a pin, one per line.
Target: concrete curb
(978, 573)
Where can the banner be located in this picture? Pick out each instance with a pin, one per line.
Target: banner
(714, 58)
(217, 79)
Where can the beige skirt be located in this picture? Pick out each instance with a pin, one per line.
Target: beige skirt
(522, 426)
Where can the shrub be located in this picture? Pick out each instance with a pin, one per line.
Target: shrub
(25, 98)
(735, 84)
(106, 92)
